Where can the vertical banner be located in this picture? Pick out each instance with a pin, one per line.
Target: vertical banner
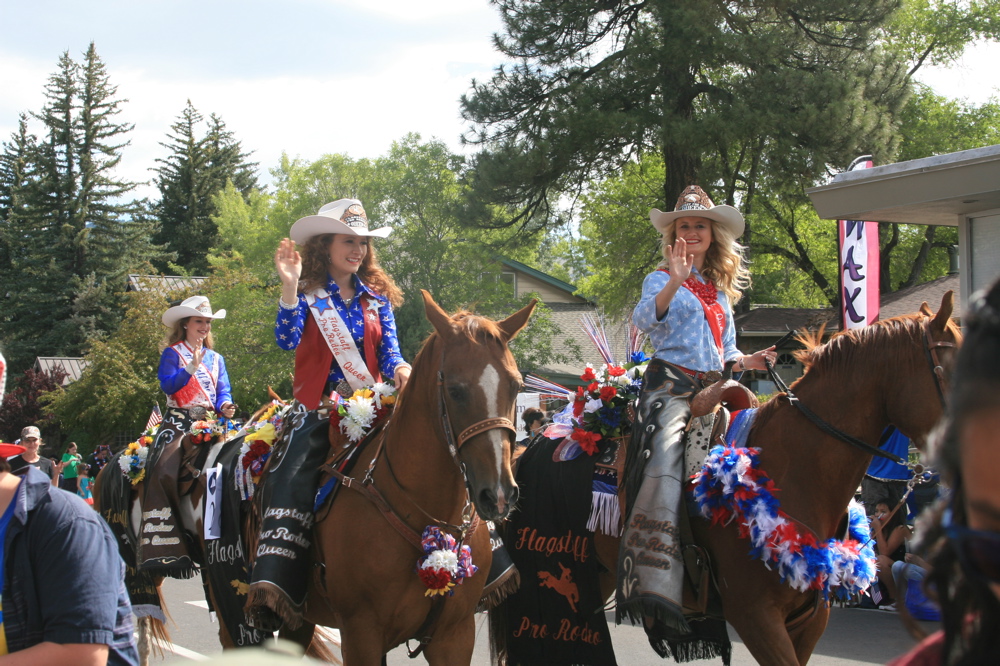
(858, 252)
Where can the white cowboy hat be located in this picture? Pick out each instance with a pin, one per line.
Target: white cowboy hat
(343, 216)
(196, 306)
(693, 202)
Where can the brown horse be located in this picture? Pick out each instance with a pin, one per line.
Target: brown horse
(465, 381)
(860, 382)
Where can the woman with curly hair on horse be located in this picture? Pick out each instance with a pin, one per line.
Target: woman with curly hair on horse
(685, 308)
(961, 534)
(336, 312)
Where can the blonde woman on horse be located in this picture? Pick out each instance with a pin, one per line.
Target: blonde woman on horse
(194, 378)
(336, 312)
(686, 308)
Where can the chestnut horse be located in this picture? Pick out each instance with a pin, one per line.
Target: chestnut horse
(860, 381)
(464, 381)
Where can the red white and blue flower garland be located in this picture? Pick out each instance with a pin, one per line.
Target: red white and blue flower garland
(731, 486)
(444, 564)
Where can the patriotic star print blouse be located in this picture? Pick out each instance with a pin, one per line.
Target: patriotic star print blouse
(291, 322)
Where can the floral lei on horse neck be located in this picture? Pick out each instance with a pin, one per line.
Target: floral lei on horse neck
(731, 486)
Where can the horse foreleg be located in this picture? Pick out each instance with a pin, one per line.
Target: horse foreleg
(454, 647)
(806, 635)
(361, 642)
(764, 635)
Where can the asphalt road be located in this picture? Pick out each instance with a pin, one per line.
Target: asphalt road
(853, 636)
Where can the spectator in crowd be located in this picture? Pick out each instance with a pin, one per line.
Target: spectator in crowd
(98, 459)
(85, 485)
(890, 531)
(51, 537)
(31, 440)
(961, 534)
(71, 461)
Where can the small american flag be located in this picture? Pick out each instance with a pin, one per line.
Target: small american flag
(154, 418)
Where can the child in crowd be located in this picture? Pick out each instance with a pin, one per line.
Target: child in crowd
(85, 485)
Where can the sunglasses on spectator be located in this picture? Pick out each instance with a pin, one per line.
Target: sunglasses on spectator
(978, 550)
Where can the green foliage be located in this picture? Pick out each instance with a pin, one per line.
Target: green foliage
(197, 169)
(120, 386)
(69, 235)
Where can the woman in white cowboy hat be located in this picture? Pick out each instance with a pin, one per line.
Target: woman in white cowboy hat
(336, 312)
(194, 378)
(686, 310)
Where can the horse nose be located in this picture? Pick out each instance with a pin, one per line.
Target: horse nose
(488, 498)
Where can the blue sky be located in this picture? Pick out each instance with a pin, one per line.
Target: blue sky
(307, 77)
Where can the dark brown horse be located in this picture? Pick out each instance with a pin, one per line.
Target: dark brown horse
(860, 382)
(464, 381)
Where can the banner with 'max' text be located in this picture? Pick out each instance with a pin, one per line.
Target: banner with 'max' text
(859, 266)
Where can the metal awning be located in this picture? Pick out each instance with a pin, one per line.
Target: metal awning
(933, 190)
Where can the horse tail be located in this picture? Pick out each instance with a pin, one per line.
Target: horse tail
(317, 647)
(153, 640)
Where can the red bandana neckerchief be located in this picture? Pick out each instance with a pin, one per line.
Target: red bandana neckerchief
(708, 295)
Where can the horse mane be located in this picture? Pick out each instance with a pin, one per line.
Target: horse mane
(840, 356)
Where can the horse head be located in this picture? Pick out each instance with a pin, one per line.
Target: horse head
(478, 382)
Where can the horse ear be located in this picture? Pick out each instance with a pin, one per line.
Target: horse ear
(438, 318)
(944, 312)
(513, 324)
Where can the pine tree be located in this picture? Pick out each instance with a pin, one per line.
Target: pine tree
(72, 233)
(196, 170)
(721, 91)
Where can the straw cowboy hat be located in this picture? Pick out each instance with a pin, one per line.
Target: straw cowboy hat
(693, 202)
(343, 216)
(196, 306)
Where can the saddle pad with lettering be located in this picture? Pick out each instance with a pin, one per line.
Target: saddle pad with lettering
(226, 557)
(557, 615)
(116, 503)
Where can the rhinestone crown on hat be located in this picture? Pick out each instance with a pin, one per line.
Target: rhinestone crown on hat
(355, 216)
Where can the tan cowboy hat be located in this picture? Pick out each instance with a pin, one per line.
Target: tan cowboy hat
(693, 202)
(196, 306)
(343, 216)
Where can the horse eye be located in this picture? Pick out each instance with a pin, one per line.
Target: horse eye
(457, 393)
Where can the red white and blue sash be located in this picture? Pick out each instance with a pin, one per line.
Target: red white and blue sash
(338, 338)
(200, 389)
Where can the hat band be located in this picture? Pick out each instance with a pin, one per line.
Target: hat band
(691, 206)
(355, 221)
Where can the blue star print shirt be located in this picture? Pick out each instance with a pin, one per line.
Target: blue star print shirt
(682, 336)
(291, 322)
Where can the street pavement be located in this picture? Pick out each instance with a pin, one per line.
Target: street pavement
(854, 636)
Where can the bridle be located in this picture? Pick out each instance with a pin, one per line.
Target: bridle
(476, 428)
(931, 347)
(470, 520)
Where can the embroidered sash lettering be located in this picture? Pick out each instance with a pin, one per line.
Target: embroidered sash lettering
(339, 339)
(200, 389)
